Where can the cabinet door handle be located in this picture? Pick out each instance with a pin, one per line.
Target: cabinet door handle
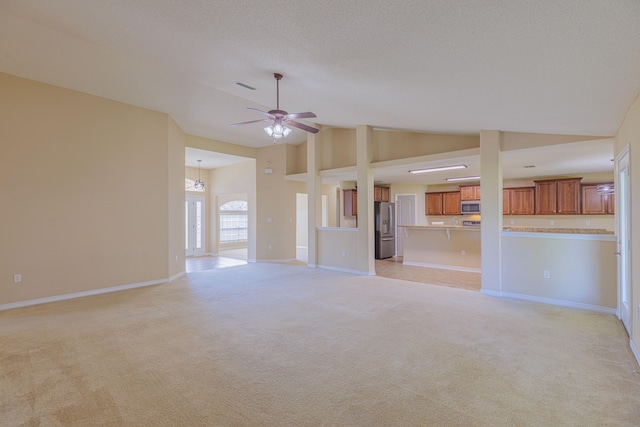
(617, 253)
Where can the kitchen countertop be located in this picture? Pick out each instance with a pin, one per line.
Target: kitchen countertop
(558, 230)
(442, 226)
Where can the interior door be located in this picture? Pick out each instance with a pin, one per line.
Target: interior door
(194, 225)
(623, 231)
(406, 215)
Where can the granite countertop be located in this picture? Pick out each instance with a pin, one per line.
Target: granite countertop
(438, 226)
(558, 230)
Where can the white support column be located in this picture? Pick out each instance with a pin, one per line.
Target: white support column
(366, 240)
(314, 197)
(491, 201)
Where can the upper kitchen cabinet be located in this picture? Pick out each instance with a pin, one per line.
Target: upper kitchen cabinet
(597, 202)
(518, 201)
(381, 194)
(558, 196)
(350, 202)
(443, 203)
(470, 192)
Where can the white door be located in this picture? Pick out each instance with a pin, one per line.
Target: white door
(194, 225)
(623, 225)
(406, 215)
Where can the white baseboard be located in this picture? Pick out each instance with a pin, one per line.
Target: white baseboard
(275, 260)
(176, 276)
(85, 293)
(635, 351)
(551, 301)
(341, 270)
(491, 293)
(443, 267)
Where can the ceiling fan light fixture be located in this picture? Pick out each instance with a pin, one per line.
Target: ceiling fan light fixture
(277, 131)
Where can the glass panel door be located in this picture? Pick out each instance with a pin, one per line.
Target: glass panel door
(194, 226)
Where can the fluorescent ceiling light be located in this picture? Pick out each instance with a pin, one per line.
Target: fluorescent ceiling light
(464, 178)
(441, 168)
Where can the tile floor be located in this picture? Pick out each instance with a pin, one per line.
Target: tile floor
(390, 267)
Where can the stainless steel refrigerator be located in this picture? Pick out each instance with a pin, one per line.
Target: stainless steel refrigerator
(385, 229)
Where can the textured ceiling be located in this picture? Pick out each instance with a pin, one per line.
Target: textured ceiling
(570, 67)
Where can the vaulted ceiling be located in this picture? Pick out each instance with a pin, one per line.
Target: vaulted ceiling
(439, 66)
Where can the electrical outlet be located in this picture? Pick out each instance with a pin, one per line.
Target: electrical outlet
(551, 222)
(269, 219)
(270, 247)
(546, 274)
(512, 222)
(17, 278)
(343, 253)
(463, 252)
(588, 223)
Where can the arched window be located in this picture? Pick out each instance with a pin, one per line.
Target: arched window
(234, 221)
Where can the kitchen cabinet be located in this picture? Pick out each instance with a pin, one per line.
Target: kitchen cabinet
(381, 194)
(350, 202)
(595, 203)
(443, 203)
(518, 201)
(558, 197)
(470, 192)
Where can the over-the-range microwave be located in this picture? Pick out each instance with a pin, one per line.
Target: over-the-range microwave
(470, 207)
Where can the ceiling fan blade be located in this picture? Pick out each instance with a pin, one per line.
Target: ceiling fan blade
(307, 115)
(249, 122)
(302, 126)
(271, 116)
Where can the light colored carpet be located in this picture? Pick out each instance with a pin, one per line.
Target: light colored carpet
(285, 345)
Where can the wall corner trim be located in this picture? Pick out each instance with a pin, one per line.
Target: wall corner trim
(491, 293)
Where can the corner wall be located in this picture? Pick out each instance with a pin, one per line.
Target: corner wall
(629, 134)
(87, 191)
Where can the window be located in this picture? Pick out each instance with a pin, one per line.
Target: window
(233, 221)
(190, 185)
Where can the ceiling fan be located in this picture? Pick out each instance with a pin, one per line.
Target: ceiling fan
(281, 119)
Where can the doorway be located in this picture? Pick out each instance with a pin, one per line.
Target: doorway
(406, 215)
(302, 221)
(623, 231)
(194, 225)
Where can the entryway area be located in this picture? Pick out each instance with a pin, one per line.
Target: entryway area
(203, 263)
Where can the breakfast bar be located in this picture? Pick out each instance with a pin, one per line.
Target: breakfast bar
(453, 247)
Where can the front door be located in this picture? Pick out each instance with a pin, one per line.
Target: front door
(622, 212)
(194, 225)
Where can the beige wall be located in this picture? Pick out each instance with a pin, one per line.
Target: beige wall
(629, 135)
(338, 249)
(85, 186)
(582, 271)
(392, 145)
(276, 201)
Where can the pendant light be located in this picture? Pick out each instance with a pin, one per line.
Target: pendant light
(199, 185)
